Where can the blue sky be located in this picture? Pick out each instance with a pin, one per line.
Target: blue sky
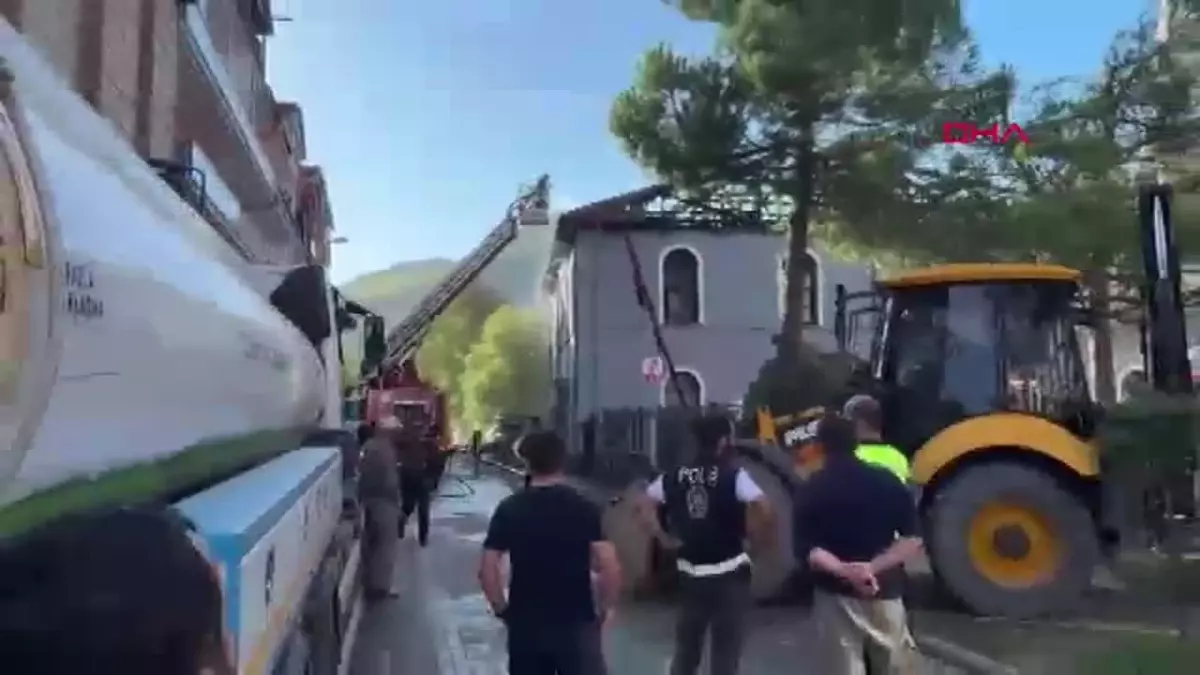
(427, 115)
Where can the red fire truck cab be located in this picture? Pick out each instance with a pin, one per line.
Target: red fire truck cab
(402, 395)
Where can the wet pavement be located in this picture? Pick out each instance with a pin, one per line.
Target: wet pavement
(440, 623)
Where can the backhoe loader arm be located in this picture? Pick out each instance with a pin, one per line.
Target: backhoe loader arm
(1166, 347)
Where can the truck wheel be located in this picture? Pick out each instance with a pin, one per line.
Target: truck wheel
(1009, 540)
(321, 622)
(774, 566)
(635, 547)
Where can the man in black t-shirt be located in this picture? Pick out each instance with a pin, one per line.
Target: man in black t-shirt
(553, 538)
(856, 527)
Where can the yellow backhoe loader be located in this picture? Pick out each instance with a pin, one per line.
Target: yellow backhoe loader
(979, 370)
(983, 384)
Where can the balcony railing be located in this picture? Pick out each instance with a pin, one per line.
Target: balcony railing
(231, 57)
(191, 184)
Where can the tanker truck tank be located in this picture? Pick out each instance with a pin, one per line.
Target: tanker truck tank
(130, 331)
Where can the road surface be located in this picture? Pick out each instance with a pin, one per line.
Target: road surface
(440, 623)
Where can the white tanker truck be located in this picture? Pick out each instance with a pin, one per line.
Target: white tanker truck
(143, 360)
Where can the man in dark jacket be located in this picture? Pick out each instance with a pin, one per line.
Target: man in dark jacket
(712, 505)
(856, 527)
(415, 489)
(379, 491)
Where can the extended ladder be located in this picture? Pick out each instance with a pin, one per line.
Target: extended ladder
(530, 208)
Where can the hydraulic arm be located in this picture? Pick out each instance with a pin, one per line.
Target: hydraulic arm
(530, 208)
(1166, 347)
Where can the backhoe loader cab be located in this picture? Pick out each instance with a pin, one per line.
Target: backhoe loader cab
(979, 371)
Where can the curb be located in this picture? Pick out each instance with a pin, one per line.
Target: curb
(961, 657)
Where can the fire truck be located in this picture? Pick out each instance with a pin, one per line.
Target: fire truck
(393, 388)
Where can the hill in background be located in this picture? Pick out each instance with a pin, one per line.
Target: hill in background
(515, 276)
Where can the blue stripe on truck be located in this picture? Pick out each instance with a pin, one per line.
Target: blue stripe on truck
(235, 515)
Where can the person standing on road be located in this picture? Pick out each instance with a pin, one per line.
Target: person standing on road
(415, 490)
(379, 492)
(856, 527)
(867, 416)
(553, 538)
(712, 505)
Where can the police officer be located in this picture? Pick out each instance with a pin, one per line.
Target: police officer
(867, 416)
(711, 504)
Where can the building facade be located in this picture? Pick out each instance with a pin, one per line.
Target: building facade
(185, 82)
(718, 294)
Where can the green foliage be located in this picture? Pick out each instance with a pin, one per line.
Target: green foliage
(1067, 196)
(507, 371)
(1152, 433)
(410, 277)
(787, 384)
(1141, 655)
(513, 276)
(442, 356)
(830, 108)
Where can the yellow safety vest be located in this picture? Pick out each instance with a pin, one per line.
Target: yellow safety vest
(885, 457)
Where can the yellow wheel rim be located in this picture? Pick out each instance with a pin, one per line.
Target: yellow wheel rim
(1013, 546)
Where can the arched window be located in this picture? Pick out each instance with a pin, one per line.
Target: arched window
(692, 386)
(680, 287)
(811, 312)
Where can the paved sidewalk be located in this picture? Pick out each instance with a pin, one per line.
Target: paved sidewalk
(440, 624)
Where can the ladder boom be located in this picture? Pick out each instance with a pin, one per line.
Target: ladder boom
(530, 208)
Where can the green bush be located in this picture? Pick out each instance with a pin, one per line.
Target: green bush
(1142, 655)
(788, 385)
(1153, 432)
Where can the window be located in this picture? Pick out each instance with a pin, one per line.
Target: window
(973, 348)
(689, 382)
(1045, 372)
(810, 312)
(681, 287)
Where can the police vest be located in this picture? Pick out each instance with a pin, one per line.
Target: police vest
(885, 457)
(704, 511)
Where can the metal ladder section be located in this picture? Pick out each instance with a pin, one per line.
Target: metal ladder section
(530, 208)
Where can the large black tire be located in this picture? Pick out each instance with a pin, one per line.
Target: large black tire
(633, 542)
(1064, 515)
(321, 622)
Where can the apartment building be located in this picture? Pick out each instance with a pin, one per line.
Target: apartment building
(184, 81)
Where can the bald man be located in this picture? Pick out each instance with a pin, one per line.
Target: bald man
(867, 415)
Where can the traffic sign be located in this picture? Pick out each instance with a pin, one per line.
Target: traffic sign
(654, 369)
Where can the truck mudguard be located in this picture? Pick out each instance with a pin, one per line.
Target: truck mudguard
(1003, 430)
